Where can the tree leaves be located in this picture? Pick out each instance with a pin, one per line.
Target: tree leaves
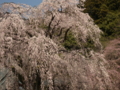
(105, 13)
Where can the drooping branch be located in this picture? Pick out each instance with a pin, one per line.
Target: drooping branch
(53, 29)
(66, 33)
(60, 33)
(49, 25)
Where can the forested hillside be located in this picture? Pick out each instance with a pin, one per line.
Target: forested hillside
(106, 14)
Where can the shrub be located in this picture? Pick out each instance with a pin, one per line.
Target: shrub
(70, 42)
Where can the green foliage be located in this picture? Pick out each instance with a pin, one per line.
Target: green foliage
(104, 41)
(110, 24)
(106, 14)
(43, 26)
(93, 8)
(89, 44)
(70, 42)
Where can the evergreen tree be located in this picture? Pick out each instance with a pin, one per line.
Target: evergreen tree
(106, 15)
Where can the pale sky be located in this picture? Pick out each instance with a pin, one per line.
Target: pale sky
(28, 2)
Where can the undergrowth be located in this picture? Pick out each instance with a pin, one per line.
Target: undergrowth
(71, 42)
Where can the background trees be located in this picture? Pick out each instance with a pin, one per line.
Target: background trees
(106, 14)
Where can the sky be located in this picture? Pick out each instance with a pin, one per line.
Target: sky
(28, 2)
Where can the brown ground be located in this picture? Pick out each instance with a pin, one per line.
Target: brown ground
(112, 54)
